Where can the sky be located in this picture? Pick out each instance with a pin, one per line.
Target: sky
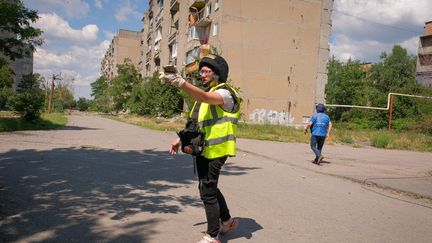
(78, 32)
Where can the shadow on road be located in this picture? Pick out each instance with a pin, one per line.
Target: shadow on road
(246, 228)
(63, 194)
(77, 128)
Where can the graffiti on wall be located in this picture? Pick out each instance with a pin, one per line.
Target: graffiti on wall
(263, 116)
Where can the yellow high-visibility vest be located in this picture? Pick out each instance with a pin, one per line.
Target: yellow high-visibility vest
(218, 125)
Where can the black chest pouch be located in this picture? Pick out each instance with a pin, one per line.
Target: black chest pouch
(192, 139)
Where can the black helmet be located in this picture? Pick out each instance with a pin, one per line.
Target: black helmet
(217, 64)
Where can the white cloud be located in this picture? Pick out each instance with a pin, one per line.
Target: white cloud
(55, 26)
(411, 45)
(126, 11)
(388, 11)
(343, 47)
(81, 63)
(69, 8)
(363, 29)
(44, 59)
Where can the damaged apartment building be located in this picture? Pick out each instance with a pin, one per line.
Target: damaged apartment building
(22, 66)
(277, 50)
(424, 57)
(125, 46)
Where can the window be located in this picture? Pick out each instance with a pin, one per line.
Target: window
(158, 36)
(192, 33)
(173, 50)
(192, 55)
(215, 29)
(216, 5)
(207, 10)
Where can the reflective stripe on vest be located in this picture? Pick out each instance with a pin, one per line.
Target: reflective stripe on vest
(219, 126)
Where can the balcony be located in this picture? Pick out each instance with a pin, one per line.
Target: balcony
(159, 17)
(203, 18)
(199, 4)
(172, 36)
(425, 50)
(191, 67)
(174, 6)
(148, 56)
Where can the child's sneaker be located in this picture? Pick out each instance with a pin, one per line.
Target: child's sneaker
(208, 239)
(227, 226)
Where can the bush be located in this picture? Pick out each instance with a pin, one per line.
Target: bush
(380, 140)
(29, 100)
(82, 104)
(365, 123)
(6, 96)
(29, 104)
(424, 125)
(401, 124)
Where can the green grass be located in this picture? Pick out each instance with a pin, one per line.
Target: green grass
(357, 138)
(381, 140)
(272, 132)
(9, 122)
(159, 124)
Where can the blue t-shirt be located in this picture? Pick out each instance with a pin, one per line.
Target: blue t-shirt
(320, 124)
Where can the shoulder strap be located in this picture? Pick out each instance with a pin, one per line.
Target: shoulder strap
(195, 111)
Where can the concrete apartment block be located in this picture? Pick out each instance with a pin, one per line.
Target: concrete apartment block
(424, 57)
(277, 50)
(126, 44)
(20, 66)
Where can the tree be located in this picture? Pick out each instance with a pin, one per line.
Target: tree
(152, 98)
(396, 73)
(29, 99)
(122, 84)
(349, 84)
(20, 38)
(345, 85)
(102, 100)
(6, 91)
(82, 104)
(63, 97)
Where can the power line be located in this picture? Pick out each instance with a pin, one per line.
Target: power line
(385, 25)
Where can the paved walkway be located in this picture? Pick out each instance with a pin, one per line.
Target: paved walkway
(402, 171)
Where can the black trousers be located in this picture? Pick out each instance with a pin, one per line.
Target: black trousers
(214, 202)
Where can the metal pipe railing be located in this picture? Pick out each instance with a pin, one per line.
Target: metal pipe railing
(379, 108)
(389, 104)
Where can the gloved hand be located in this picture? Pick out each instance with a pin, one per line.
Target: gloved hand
(171, 78)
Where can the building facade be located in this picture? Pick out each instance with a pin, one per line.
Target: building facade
(277, 50)
(20, 66)
(424, 57)
(126, 45)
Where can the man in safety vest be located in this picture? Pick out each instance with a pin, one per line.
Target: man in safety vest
(215, 113)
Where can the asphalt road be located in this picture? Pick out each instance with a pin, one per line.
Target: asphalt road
(99, 180)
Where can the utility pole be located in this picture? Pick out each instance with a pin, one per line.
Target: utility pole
(390, 112)
(54, 77)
